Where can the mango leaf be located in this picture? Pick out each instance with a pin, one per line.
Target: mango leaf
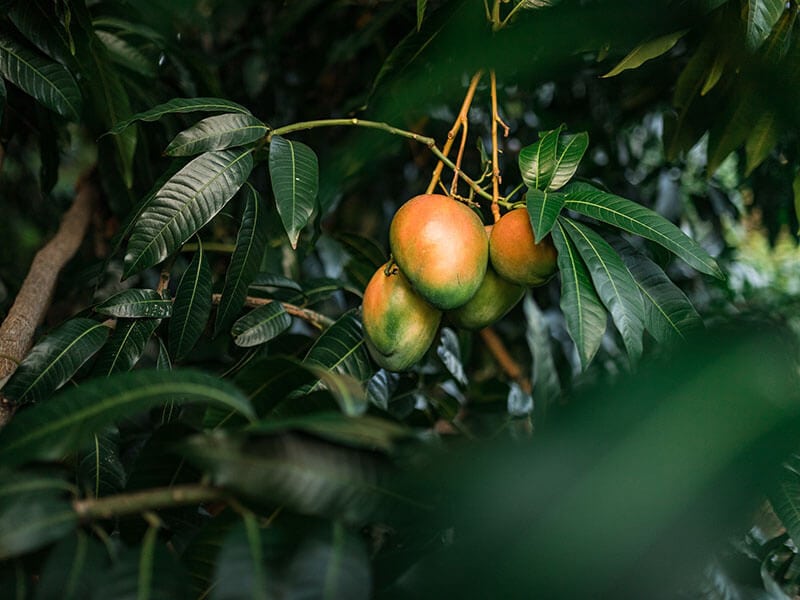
(217, 133)
(552, 161)
(760, 141)
(668, 313)
(39, 23)
(543, 209)
(163, 362)
(784, 495)
(294, 174)
(126, 345)
(647, 51)
(30, 520)
(192, 306)
(380, 388)
(245, 261)
(2, 98)
(48, 82)
(735, 125)
(544, 375)
(100, 468)
(50, 430)
(583, 312)
(362, 248)
(261, 325)
(348, 392)
(796, 194)
(761, 17)
(273, 280)
(180, 106)
(240, 571)
(449, 351)
(136, 303)
(635, 218)
(71, 568)
(613, 282)
(341, 349)
(55, 359)
(421, 6)
(186, 202)
(204, 550)
(126, 55)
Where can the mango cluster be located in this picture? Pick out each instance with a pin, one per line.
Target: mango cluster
(446, 263)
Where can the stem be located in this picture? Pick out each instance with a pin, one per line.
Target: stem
(211, 247)
(137, 502)
(316, 319)
(495, 164)
(503, 357)
(514, 191)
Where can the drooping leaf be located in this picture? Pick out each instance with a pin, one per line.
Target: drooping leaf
(583, 312)
(294, 174)
(55, 359)
(635, 218)
(760, 18)
(72, 568)
(49, 430)
(191, 307)
(179, 106)
(735, 125)
(261, 325)
(341, 349)
(136, 303)
(613, 283)
(544, 375)
(31, 520)
(100, 468)
(647, 51)
(47, 81)
(543, 209)
(217, 133)
(186, 202)
(126, 55)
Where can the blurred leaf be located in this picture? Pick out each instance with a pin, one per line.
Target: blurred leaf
(613, 283)
(30, 520)
(72, 568)
(192, 306)
(760, 18)
(760, 141)
(341, 349)
(449, 351)
(186, 202)
(717, 68)
(261, 325)
(217, 133)
(734, 126)
(49, 430)
(647, 51)
(240, 570)
(180, 106)
(203, 552)
(421, 5)
(55, 359)
(544, 375)
(2, 98)
(796, 194)
(543, 209)
(163, 362)
(100, 468)
(784, 496)
(126, 55)
(136, 303)
(584, 314)
(380, 388)
(348, 392)
(245, 261)
(158, 464)
(363, 248)
(48, 82)
(635, 218)
(294, 173)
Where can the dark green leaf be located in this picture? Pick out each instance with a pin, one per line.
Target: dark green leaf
(784, 496)
(261, 325)
(100, 468)
(273, 280)
(163, 363)
(761, 17)
(341, 349)
(245, 261)
(29, 521)
(181, 105)
(735, 125)
(55, 359)
(543, 209)
(39, 22)
(49, 430)
(634, 218)
(647, 51)
(585, 316)
(240, 570)
(192, 306)
(158, 464)
(294, 174)
(185, 203)
(16, 483)
(544, 375)
(217, 133)
(613, 282)
(47, 81)
(136, 303)
(268, 381)
(2, 98)
(203, 552)
(537, 160)
(421, 5)
(71, 569)
(363, 248)
(760, 141)
(348, 392)
(126, 55)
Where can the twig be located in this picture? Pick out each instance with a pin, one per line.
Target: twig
(138, 502)
(316, 319)
(27, 313)
(507, 363)
(495, 163)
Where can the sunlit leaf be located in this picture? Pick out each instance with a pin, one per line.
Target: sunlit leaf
(647, 51)
(49, 430)
(217, 133)
(261, 325)
(179, 106)
(537, 160)
(192, 306)
(136, 303)
(760, 18)
(186, 202)
(294, 174)
(584, 313)
(55, 359)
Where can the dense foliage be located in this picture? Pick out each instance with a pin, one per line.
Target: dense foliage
(201, 413)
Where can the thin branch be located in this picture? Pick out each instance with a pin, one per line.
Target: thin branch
(133, 503)
(495, 151)
(314, 318)
(30, 306)
(503, 357)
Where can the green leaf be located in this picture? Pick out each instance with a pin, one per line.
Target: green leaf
(192, 306)
(136, 303)
(100, 468)
(186, 202)
(49, 430)
(784, 496)
(55, 359)
(796, 194)
(647, 51)
(421, 5)
(584, 314)
(40, 23)
(126, 55)
(544, 375)
(362, 248)
(348, 392)
(71, 568)
(240, 571)
(635, 218)
(761, 17)
(29, 521)
(668, 313)
(126, 345)
(735, 125)
(294, 174)
(760, 141)
(163, 362)
(48, 82)
(341, 349)
(180, 106)
(543, 209)
(217, 133)
(551, 162)
(2, 98)
(449, 351)
(613, 282)
(261, 325)
(245, 261)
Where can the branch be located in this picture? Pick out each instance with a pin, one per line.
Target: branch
(495, 151)
(136, 502)
(507, 363)
(316, 319)
(30, 306)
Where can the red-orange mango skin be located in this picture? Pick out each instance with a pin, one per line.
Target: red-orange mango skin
(399, 326)
(440, 245)
(514, 254)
